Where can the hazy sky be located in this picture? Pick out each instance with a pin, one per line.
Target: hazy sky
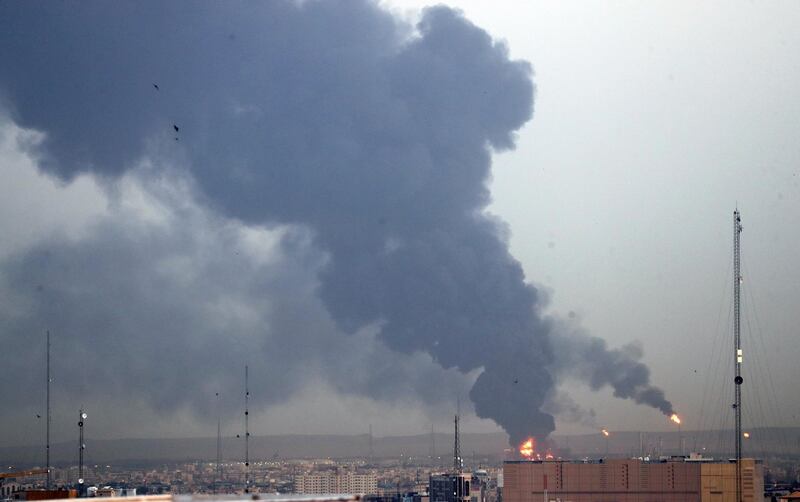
(651, 122)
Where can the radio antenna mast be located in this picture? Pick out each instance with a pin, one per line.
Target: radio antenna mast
(458, 464)
(246, 430)
(81, 447)
(47, 418)
(737, 342)
(219, 444)
(371, 451)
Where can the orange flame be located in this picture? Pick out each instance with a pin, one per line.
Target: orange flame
(548, 455)
(675, 418)
(527, 448)
(746, 435)
(605, 432)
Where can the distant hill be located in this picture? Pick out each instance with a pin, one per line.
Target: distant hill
(261, 447)
(762, 442)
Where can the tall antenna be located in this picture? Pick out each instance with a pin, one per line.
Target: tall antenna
(219, 444)
(47, 446)
(81, 446)
(371, 452)
(246, 430)
(737, 342)
(433, 445)
(458, 465)
(641, 444)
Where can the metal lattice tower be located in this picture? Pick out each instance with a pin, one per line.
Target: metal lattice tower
(47, 418)
(371, 451)
(246, 430)
(737, 342)
(219, 444)
(81, 447)
(433, 445)
(458, 465)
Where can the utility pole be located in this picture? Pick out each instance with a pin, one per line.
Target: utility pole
(737, 342)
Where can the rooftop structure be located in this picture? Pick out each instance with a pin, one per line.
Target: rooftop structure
(450, 487)
(631, 480)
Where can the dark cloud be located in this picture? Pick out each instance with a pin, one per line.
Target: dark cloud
(168, 310)
(332, 115)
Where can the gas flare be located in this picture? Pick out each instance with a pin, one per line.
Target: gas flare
(528, 448)
(605, 432)
(675, 418)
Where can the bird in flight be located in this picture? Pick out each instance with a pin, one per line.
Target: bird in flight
(176, 128)
(156, 86)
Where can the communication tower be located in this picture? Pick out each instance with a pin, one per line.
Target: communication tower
(737, 343)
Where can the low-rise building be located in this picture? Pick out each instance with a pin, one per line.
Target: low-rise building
(333, 482)
(631, 480)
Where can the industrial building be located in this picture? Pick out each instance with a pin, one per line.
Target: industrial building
(675, 479)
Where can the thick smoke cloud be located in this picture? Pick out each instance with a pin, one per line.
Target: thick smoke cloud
(160, 303)
(568, 410)
(588, 359)
(336, 117)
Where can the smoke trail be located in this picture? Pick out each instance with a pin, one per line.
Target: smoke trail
(332, 116)
(567, 409)
(589, 359)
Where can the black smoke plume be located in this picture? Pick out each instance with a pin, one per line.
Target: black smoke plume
(333, 116)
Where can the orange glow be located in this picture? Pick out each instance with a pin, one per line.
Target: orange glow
(548, 455)
(527, 448)
(605, 433)
(746, 435)
(675, 418)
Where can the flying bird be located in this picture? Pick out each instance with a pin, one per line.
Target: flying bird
(156, 86)
(175, 127)
(38, 416)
